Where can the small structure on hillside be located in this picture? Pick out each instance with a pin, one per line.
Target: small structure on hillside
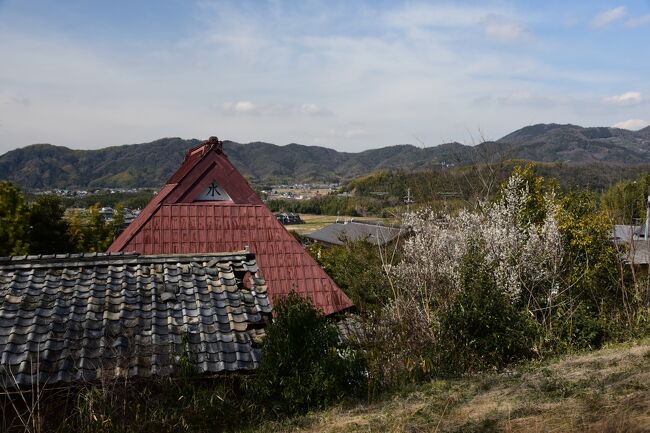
(81, 318)
(634, 240)
(107, 213)
(208, 206)
(288, 218)
(339, 232)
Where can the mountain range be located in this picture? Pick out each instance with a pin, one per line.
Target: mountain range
(44, 166)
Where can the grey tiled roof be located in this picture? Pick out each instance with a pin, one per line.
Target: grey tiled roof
(89, 317)
(337, 233)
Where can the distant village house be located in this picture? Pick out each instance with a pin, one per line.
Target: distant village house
(341, 232)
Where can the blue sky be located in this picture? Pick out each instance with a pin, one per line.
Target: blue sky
(347, 75)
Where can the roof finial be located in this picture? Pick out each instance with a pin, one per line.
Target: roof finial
(214, 143)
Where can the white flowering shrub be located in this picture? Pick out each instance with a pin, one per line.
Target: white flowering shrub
(525, 255)
(524, 275)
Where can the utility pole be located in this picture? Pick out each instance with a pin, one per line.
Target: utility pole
(408, 199)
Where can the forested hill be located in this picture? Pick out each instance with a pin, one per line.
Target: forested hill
(150, 164)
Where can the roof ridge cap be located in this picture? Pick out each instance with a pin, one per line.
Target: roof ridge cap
(212, 143)
(132, 257)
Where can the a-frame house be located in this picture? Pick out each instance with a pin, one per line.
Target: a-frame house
(207, 206)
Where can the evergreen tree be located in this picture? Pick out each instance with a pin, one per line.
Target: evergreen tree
(116, 225)
(76, 232)
(48, 231)
(14, 220)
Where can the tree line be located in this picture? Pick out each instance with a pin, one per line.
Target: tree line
(43, 226)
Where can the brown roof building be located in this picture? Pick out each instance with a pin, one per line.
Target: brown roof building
(207, 206)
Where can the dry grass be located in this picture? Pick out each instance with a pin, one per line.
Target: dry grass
(317, 222)
(603, 391)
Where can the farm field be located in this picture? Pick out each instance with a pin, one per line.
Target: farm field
(317, 222)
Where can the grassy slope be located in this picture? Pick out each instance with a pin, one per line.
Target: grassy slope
(603, 391)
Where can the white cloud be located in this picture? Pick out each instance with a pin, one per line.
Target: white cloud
(505, 31)
(345, 134)
(525, 98)
(422, 15)
(638, 21)
(313, 110)
(611, 15)
(627, 98)
(518, 98)
(503, 28)
(239, 107)
(495, 22)
(632, 124)
(245, 107)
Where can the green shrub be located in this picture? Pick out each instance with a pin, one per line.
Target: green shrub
(304, 365)
(482, 329)
(14, 215)
(356, 267)
(581, 328)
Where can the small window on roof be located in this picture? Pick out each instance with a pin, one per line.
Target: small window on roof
(213, 192)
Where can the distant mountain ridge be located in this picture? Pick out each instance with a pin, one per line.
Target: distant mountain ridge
(575, 144)
(42, 166)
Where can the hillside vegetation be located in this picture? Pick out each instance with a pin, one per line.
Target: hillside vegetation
(383, 193)
(503, 284)
(603, 391)
(481, 180)
(150, 164)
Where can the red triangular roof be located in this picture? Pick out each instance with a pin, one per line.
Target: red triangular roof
(174, 223)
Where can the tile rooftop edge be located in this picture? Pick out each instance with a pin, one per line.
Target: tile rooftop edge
(124, 257)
